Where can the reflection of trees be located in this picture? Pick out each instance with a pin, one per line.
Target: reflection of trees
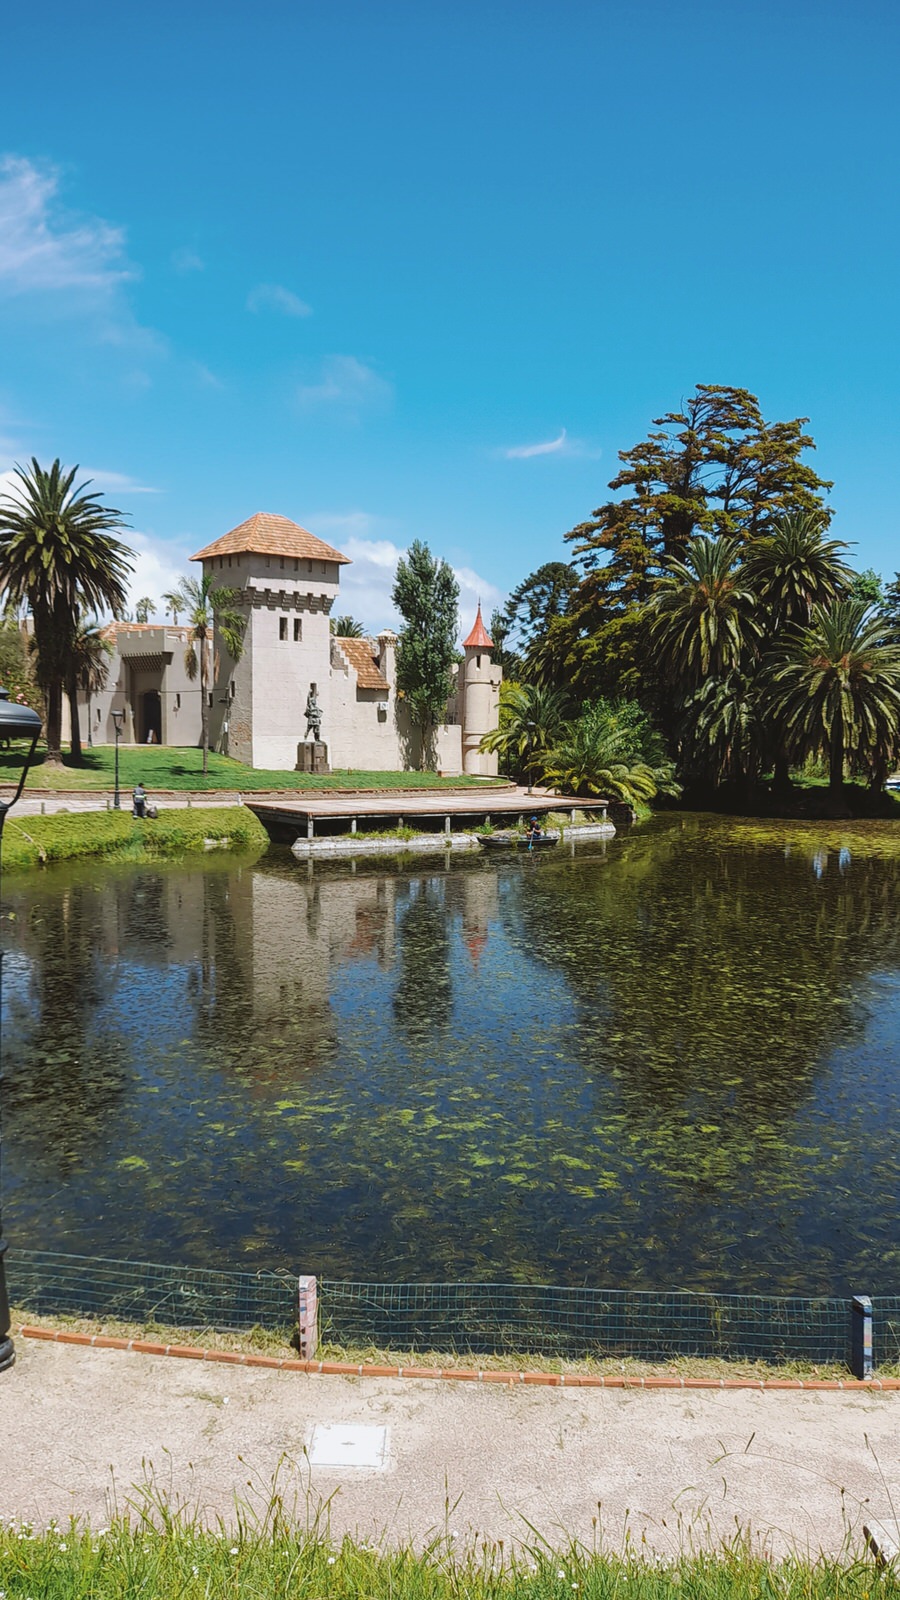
(64, 1070)
(423, 996)
(712, 981)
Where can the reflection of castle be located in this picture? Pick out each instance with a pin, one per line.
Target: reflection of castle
(287, 583)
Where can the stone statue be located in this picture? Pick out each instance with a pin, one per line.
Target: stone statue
(313, 716)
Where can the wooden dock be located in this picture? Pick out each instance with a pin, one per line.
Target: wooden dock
(429, 811)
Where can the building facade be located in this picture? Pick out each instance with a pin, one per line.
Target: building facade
(286, 584)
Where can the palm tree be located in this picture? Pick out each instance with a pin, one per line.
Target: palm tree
(88, 669)
(57, 553)
(531, 720)
(795, 568)
(612, 750)
(173, 603)
(835, 688)
(723, 731)
(701, 615)
(207, 608)
(347, 628)
(143, 608)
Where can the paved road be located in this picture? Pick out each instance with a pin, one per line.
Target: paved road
(75, 1422)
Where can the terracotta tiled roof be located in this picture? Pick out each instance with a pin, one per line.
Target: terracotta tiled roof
(265, 534)
(478, 639)
(359, 654)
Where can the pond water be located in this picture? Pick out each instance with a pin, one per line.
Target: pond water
(672, 1060)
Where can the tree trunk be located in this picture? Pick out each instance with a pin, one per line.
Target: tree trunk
(782, 778)
(204, 703)
(72, 693)
(836, 756)
(54, 721)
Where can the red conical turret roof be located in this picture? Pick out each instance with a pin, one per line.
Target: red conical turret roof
(478, 639)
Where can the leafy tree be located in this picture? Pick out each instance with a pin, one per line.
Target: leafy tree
(501, 654)
(89, 657)
(58, 553)
(715, 467)
(347, 628)
(612, 749)
(426, 595)
(868, 586)
(891, 604)
(835, 687)
(206, 608)
(143, 608)
(539, 598)
(702, 615)
(17, 663)
(531, 720)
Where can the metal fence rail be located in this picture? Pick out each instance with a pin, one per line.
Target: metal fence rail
(481, 1318)
(517, 1318)
(48, 1283)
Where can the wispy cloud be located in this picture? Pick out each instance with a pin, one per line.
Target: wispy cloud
(274, 297)
(158, 566)
(561, 445)
(114, 482)
(366, 585)
(345, 381)
(187, 260)
(41, 249)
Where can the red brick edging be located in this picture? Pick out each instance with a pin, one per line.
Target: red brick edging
(352, 1369)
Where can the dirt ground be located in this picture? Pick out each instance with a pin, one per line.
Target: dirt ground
(83, 1429)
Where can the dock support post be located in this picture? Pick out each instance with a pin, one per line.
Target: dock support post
(861, 1336)
(446, 824)
(572, 814)
(352, 824)
(310, 827)
(308, 1318)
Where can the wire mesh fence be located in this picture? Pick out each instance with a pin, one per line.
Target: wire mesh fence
(477, 1318)
(51, 1284)
(516, 1318)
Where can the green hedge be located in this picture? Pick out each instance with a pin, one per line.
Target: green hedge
(36, 841)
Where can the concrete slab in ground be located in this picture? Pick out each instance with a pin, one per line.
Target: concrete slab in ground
(82, 1426)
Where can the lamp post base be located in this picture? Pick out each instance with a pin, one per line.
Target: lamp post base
(7, 1354)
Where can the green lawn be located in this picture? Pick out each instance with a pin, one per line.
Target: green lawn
(169, 767)
(36, 841)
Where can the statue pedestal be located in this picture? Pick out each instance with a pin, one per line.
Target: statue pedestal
(312, 757)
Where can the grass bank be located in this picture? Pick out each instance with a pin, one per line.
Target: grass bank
(168, 767)
(37, 841)
(280, 1549)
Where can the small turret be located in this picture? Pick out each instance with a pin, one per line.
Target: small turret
(480, 700)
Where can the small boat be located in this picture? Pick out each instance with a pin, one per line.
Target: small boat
(517, 841)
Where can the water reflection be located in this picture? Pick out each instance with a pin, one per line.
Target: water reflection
(666, 1063)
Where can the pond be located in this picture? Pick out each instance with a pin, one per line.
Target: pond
(670, 1060)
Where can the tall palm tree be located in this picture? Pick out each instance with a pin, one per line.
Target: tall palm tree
(206, 609)
(796, 568)
(143, 608)
(701, 616)
(174, 604)
(835, 687)
(58, 553)
(531, 720)
(88, 670)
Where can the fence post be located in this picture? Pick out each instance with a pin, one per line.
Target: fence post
(308, 1317)
(861, 1336)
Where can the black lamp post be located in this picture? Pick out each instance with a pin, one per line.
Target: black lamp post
(118, 718)
(16, 722)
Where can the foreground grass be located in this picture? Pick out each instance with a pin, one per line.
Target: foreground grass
(284, 1550)
(37, 841)
(168, 767)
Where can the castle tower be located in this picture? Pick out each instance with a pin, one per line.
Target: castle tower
(285, 583)
(480, 700)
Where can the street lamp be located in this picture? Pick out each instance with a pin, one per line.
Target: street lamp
(118, 718)
(16, 722)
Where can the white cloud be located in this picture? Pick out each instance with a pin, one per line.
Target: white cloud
(113, 482)
(274, 297)
(344, 381)
(187, 260)
(365, 591)
(159, 564)
(562, 445)
(43, 250)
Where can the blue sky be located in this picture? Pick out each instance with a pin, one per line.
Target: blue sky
(412, 270)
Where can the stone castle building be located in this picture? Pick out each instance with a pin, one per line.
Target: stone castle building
(287, 583)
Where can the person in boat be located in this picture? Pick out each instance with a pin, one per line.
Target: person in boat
(532, 830)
